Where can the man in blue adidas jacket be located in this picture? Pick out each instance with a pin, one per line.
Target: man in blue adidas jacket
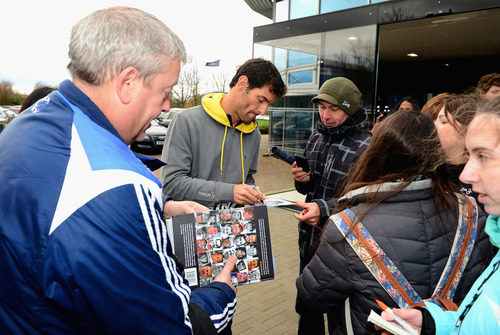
(83, 244)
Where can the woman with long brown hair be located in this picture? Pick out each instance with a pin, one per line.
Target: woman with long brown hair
(399, 201)
(478, 313)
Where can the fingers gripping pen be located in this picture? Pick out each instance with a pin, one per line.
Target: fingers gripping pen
(402, 322)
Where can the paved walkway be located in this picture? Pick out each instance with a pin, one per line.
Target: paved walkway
(269, 307)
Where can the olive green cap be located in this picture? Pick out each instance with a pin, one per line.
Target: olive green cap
(340, 92)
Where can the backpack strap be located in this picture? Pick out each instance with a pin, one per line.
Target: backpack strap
(461, 250)
(381, 267)
(388, 275)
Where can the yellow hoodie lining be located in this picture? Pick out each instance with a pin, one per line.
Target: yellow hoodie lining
(211, 104)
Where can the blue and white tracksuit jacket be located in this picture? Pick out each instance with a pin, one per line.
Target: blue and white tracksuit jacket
(83, 248)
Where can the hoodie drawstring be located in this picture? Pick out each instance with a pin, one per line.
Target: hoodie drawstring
(241, 154)
(242, 163)
(222, 150)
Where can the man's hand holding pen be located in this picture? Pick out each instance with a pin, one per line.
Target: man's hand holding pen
(248, 194)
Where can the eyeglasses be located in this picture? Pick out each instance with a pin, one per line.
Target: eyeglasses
(469, 306)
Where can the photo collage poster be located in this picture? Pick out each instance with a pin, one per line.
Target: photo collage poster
(204, 241)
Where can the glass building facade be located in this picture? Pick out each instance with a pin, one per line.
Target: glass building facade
(368, 41)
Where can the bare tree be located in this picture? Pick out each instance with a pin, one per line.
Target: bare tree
(220, 81)
(6, 91)
(7, 94)
(187, 88)
(193, 80)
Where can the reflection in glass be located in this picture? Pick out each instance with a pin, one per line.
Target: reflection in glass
(303, 8)
(314, 59)
(328, 6)
(283, 77)
(296, 58)
(280, 58)
(281, 8)
(351, 58)
(300, 77)
(276, 124)
(291, 127)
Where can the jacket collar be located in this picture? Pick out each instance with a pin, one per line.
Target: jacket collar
(349, 124)
(493, 229)
(387, 187)
(87, 106)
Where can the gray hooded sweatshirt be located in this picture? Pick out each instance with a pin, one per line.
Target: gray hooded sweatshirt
(206, 157)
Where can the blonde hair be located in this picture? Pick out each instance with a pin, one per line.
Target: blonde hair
(434, 105)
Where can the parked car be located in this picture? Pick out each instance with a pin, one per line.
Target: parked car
(155, 134)
(165, 118)
(5, 117)
(16, 109)
(154, 139)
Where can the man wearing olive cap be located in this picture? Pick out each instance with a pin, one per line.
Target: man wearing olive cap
(331, 150)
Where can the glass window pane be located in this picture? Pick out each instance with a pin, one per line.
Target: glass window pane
(281, 8)
(291, 127)
(377, 1)
(345, 52)
(303, 8)
(351, 53)
(280, 58)
(296, 58)
(276, 125)
(300, 77)
(262, 51)
(328, 6)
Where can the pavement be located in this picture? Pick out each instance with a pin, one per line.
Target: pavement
(269, 307)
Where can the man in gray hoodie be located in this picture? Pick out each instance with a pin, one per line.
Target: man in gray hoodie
(212, 150)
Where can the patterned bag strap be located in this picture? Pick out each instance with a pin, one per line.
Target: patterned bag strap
(389, 276)
(377, 262)
(461, 250)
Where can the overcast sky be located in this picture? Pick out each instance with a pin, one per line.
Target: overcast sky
(35, 34)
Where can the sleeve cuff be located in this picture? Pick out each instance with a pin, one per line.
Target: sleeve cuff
(166, 198)
(428, 325)
(324, 211)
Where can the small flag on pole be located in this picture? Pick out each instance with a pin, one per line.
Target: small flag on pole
(214, 63)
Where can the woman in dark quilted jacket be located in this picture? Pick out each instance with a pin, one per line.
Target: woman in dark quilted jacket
(407, 213)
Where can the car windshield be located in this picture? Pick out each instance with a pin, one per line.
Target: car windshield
(163, 116)
(3, 114)
(170, 115)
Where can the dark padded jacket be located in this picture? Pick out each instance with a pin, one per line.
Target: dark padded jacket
(405, 226)
(330, 152)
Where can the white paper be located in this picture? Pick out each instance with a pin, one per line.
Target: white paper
(274, 202)
(389, 326)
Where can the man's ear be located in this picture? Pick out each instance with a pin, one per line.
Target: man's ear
(126, 84)
(242, 83)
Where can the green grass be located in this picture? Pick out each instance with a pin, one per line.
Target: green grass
(263, 126)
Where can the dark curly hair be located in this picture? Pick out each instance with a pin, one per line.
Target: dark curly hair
(260, 72)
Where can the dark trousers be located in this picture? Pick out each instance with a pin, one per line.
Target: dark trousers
(310, 322)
